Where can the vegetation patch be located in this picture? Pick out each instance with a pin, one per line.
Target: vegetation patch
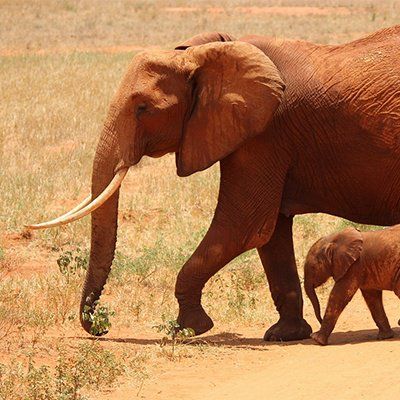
(88, 368)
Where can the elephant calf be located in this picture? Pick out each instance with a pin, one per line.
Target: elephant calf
(366, 260)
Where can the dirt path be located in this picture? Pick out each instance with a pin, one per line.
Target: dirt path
(354, 366)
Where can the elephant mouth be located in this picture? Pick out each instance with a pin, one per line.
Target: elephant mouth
(158, 154)
(154, 152)
(87, 206)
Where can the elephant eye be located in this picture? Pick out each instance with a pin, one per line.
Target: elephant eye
(140, 109)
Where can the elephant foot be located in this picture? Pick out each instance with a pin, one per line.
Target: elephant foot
(319, 338)
(286, 330)
(382, 335)
(194, 317)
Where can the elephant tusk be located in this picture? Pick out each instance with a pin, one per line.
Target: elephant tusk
(84, 203)
(83, 208)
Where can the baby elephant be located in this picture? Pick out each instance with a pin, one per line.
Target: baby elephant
(366, 260)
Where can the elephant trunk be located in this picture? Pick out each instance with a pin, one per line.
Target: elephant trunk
(104, 227)
(310, 291)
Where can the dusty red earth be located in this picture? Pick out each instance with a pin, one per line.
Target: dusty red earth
(239, 365)
(17, 246)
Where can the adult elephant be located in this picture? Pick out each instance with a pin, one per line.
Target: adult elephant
(297, 127)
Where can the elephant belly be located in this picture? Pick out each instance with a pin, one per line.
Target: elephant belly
(377, 278)
(362, 191)
(380, 258)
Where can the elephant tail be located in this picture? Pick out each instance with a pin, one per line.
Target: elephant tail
(310, 291)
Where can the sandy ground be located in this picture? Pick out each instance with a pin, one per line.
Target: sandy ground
(353, 366)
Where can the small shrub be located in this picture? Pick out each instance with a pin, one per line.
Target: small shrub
(173, 333)
(62, 296)
(99, 316)
(39, 383)
(70, 262)
(10, 318)
(11, 381)
(40, 320)
(89, 367)
(97, 366)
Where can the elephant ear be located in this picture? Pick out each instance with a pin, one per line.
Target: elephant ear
(204, 38)
(236, 90)
(344, 249)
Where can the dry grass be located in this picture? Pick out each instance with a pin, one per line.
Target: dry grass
(52, 24)
(51, 112)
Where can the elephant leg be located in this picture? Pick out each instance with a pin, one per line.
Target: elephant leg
(244, 219)
(278, 260)
(341, 294)
(214, 252)
(373, 298)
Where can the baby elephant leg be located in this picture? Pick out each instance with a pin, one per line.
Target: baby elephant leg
(373, 298)
(341, 294)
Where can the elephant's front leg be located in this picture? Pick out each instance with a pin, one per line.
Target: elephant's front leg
(216, 249)
(279, 263)
(250, 193)
(342, 292)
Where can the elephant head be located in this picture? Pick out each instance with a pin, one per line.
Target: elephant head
(331, 256)
(200, 102)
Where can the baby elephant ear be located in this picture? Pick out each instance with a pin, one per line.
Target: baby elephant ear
(236, 90)
(346, 249)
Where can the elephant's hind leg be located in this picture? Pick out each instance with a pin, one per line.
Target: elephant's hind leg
(279, 263)
(373, 298)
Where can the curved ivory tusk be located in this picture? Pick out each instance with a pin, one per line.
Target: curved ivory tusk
(87, 209)
(84, 203)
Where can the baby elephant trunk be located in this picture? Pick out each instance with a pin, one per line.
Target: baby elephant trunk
(310, 291)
